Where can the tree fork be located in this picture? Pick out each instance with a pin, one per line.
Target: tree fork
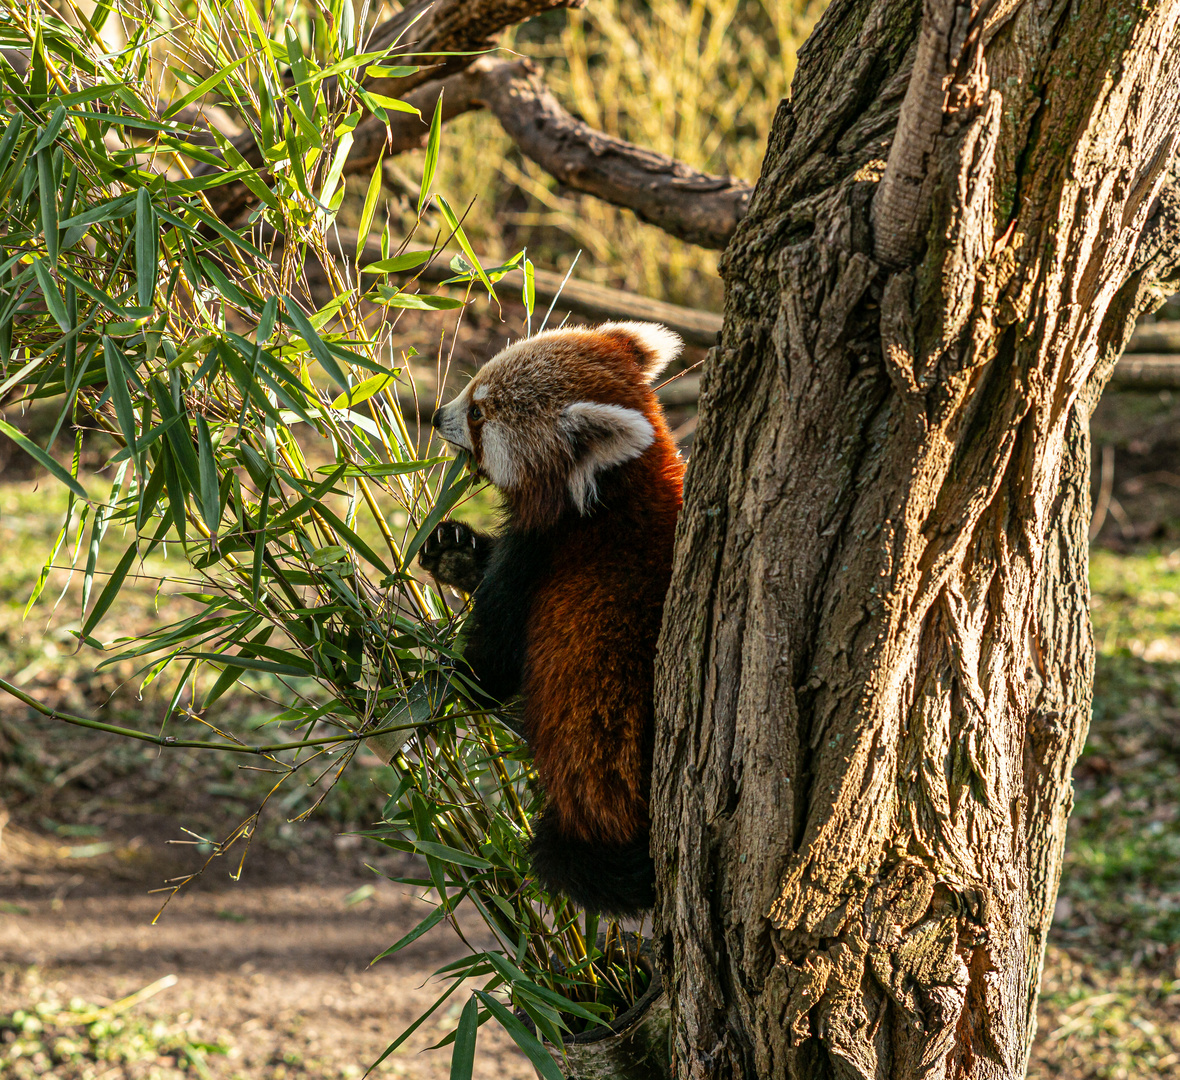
(876, 666)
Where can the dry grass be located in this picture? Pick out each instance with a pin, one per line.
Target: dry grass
(696, 79)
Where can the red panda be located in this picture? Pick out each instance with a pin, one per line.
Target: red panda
(567, 599)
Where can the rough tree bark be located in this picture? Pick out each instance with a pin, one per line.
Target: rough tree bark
(876, 664)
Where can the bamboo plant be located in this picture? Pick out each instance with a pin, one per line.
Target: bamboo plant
(262, 436)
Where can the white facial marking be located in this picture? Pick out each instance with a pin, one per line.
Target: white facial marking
(481, 393)
(499, 463)
(603, 436)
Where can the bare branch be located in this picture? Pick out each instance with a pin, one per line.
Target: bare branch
(660, 190)
(461, 92)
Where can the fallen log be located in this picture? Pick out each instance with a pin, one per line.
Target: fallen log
(1151, 362)
(1146, 371)
(1157, 337)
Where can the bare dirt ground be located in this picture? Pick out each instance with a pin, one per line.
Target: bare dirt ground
(272, 974)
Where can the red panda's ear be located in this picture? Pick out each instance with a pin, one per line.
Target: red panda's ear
(600, 436)
(656, 345)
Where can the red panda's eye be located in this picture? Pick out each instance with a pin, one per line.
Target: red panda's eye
(475, 414)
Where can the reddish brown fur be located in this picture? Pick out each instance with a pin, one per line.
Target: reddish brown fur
(595, 618)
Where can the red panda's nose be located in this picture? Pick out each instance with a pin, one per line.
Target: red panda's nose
(436, 419)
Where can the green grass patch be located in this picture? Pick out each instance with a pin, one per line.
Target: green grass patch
(81, 1040)
(1120, 891)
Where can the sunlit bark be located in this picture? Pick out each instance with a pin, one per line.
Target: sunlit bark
(876, 664)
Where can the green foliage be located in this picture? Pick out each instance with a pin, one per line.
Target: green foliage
(262, 437)
(48, 1038)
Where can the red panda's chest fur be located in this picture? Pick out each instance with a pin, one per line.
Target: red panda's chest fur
(590, 649)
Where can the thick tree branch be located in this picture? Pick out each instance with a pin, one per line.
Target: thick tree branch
(662, 191)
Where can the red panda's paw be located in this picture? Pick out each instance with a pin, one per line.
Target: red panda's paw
(455, 554)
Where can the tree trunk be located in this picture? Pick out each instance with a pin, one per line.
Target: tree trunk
(876, 664)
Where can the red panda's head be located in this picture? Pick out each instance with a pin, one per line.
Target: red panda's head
(546, 417)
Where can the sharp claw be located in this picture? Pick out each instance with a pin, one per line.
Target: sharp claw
(458, 535)
(473, 541)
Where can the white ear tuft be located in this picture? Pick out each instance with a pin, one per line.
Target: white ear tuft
(659, 345)
(601, 436)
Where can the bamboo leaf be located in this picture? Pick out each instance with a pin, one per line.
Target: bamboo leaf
(232, 672)
(458, 981)
(177, 492)
(51, 129)
(111, 210)
(346, 37)
(8, 142)
(147, 244)
(39, 455)
(150, 494)
(97, 295)
(52, 295)
(558, 1002)
(179, 436)
(452, 220)
(307, 97)
(254, 664)
(370, 207)
(417, 301)
(110, 590)
(266, 321)
(120, 397)
(430, 165)
(43, 576)
(529, 1043)
(432, 920)
(98, 530)
(176, 694)
(463, 1055)
(336, 167)
(410, 260)
(204, 86)
(451, 855)
(529, 292)
(48, 186)
(207, 467)
(259, 547)
(244, 171)
(397, 71)
(316, 344)
(363, 391)
(386, 102)
(401, 468)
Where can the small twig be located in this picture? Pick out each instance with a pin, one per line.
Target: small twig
(196, 744)
(1126, 525)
